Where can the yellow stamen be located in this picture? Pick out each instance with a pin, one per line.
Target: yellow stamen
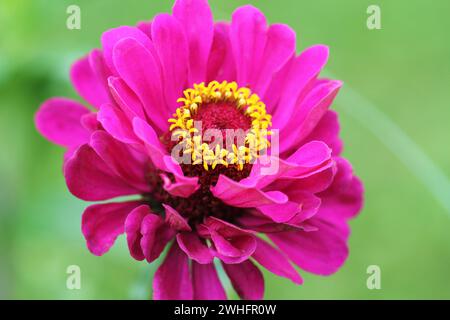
(182, 124)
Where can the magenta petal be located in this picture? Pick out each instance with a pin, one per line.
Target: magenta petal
(280, 46)
(231, 243)
(196, 18)
(183, 186)
(301, 71)
(344, 198)
(194, 247)
(327, 130)
(248, 40)
(221, 66)
(170, 43)
(117, 124)
(111, 37)
(90, 122)
(206, 282)
(280, 212)
(148, 136)
(246, 279)
(59, 120)
(245, 196)
(141, 72)
(308, 202)
(89, 178)
(171, 280)
(175, 220)
(183, 189)
(103, 223)
(311, 155)
(88, 84)
(321, 252)
(126, 98)
(309, 113)
(271, 259)
(145, 27)
(133, 230)
(155, 235)
(123, 161)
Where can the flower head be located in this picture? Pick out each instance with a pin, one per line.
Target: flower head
(223, 134)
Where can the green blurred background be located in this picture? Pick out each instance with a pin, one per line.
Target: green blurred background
(397, 83)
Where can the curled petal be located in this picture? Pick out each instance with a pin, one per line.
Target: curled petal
(89, 76)
(231, 244)
(245, 196)
(175, 220)
(89, 178)
(194, 247)
(133, 231)
(125, 162)
(103, 223)
(59, 120)
(155, 235)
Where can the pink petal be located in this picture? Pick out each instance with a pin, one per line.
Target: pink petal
(138, 68)
(299, 73)
(126, 98)
(90, 122)
(248, 39)
(271, 259)
(175, 220)
(145, 27)
(245, 196)
(206, 282)
(327, 130)
(309, 113)
(308, 202)
(281, 212)
(89, 178)
(59, 120)
(86, 75)
(316, 182)
(196, 18)
(122, 160)
(148, 136)
(246, 279)
(221, 66)
(183, 189)
(321, 252)
(170, 43)
(195, 248)
(310, 159)
(113, 36)
(183, 186)
(231, 243)
(344, 198)
(171, 280)
(117, 124)
(133, 230)
(155, 235)
(103, 223)
(280, 46)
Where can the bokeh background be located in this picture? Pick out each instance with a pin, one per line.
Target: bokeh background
(394, 111)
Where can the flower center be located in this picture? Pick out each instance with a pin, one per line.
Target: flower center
(219, 124)
(218, 129)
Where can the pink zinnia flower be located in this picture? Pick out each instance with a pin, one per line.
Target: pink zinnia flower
(150, 83)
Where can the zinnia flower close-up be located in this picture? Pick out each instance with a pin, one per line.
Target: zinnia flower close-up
(138, 149)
